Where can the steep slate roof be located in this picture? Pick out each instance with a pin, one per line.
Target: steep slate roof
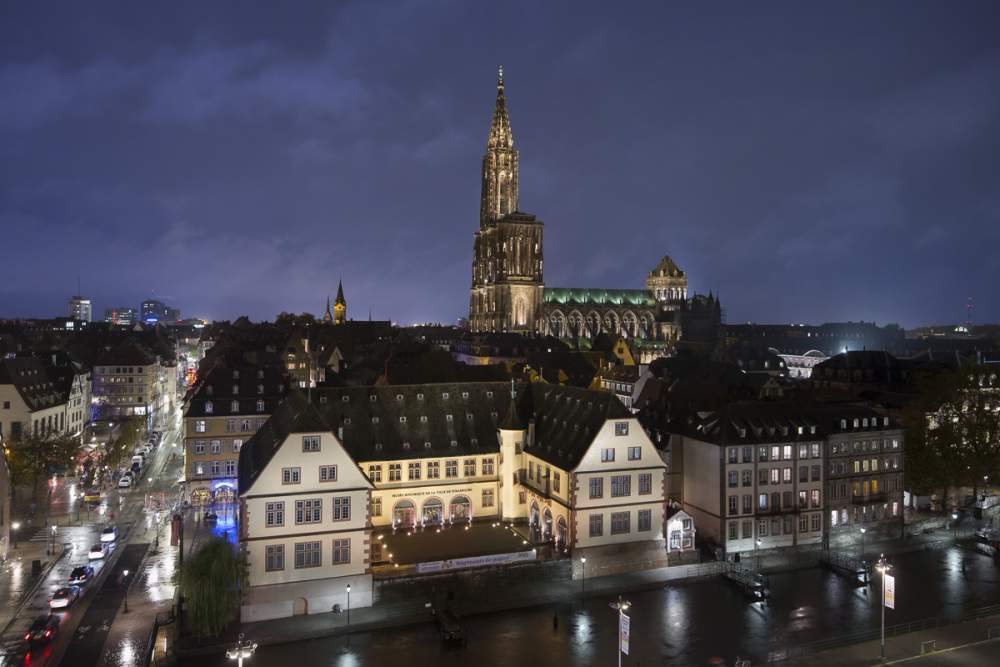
(567, 420)
(32, 380)
(580, 296)
(397, 421)
(747, 423)
(293, 415)
(217, 386)
(126, 353)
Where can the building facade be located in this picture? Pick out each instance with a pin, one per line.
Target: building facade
(127, 382)
(32, 403)
(222, 411)
(79, 308)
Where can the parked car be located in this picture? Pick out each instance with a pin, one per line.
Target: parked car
(42, 630)
(81, 575)
(125, 482)
(109, 534)
(64, 597)
(98, 551)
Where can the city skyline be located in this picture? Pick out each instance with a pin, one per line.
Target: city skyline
(803, 163)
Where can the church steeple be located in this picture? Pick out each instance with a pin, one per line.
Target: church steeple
(340, 305)
(500, 178)
(328, 316)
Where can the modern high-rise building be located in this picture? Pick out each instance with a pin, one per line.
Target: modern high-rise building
(80, 308)
(153, 312)
(124, 315)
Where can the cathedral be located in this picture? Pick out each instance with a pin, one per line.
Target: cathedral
(508, 289)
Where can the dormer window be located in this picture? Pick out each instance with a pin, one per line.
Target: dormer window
(444, 396)
(423, 419)
(322, 399)
(427, 444)
(399, 397)
(234, 407)
(260, 389)
(493, 414)
(347, 421)
(843, 423)
(378, 446)
(489, 394)
(402, 419)
(374, 420)
(864, 422)
(800, 430)
(209, 408)
(812, 430)
(448, 418)
(260, 406)
(260, 375)
(236, 375)
(855, 423)
(468, 416)
(465, 394)
(885, 421)
(406, 446)
(371, 398)
(420, 397)
(208, 389)
(345, 399)
(474, 441)
(454, 444)
(743, 433)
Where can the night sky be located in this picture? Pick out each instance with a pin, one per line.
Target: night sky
(809, 161)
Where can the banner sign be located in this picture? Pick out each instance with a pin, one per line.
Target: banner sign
(623, 631)
(475, 561)
(890, 591)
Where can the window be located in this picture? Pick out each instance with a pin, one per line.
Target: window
(237, 445)
(814, 521)
(644, 520)
(308, 554)
(199, 426)
(342, 508)
(274, 557)
(596, 525)
(231, 468)
(216, 446)
(814, 499)
(803, 451)
(199, 446)
(234, 406)
(621, 428)
(815, 473)
(470, 467)
(775, 475)
(555, 482)
(815, 450)
(274, 514)
(607, 455)
(762, 528)
(645, 483)
(413, 470)
(522, 497)
(434, 470)
(748, 455)
(487, 466)
(775, 453)
(734, 479)
(747, 478)
(803, 498)
(734, 454)
(732, 529)
(621, 485)
(762, 454)
(375, 473)
(451, 468)
(209, 408)
(328, 473)
(747, 529)
(788, 453)
(803, 473)
(596, 487)
(762, 502)
(308, 511)
(199, 468)
(260, 406)
(342, 551)
(620, 523)
(310, 443)
(733, 505)
(376, 506)
(762, 477)
(747, 504)
(260, 389)
(786, 475)
(395, 472)
(487, 497)
(291, 475)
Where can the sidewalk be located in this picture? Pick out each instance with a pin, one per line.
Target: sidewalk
(907, 648)
(17, 581)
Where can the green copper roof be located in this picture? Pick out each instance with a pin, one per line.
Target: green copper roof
(618, 297)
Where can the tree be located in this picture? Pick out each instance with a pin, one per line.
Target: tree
(210, 587)
(128, 437)
(32, 458)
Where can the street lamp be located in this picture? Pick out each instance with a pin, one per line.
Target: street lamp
(242, 651)
(954, 525)
(621, 606)
(583, 570)
(863, 531)
(53, 539)
(756, 543)
(348, 604)
(125, 580)
(883, 567)
(15, 526)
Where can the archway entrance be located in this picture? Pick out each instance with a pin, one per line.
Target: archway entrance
(225, 494)
(461, 509)
(403, 514)
(200, 497)
(433, 511)
(300, 607)
(561, 533)
(547, 524)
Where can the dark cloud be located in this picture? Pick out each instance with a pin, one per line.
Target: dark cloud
(809, 162)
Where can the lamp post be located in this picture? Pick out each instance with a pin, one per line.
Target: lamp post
(125, 580)
(863, 531)
(348, 604)
(620, 606)
(883, 567)
(242, 651)
(756, 543)
(53, 539)
(583, 570)
(954, 525)
(15, 526)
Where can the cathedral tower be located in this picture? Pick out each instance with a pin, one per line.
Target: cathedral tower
(340, 305)
(507, 286)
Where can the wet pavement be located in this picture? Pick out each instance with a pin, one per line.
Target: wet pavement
(690, 623)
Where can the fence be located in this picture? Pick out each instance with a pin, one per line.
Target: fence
(795, 653)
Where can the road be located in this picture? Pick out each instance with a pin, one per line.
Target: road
(695, 623)
(79, 632)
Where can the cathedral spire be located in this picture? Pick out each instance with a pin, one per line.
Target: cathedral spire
(500, 135)
(340, 305)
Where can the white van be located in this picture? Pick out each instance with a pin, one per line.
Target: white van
(138, 458)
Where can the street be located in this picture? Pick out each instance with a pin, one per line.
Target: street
(88, 622)
(694, 623)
